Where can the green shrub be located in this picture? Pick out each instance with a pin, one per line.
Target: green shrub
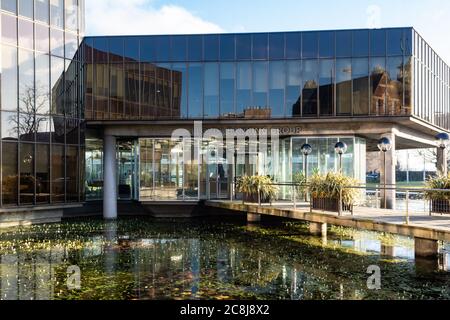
(250, 185)
(442, 183)
(329, 186)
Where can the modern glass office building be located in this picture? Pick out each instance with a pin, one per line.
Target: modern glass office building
(42, 153)
(316, 87)
(94, 118)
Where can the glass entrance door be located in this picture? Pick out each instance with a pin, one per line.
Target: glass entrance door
(126, 158)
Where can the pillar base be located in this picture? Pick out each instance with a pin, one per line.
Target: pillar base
(253, 218)
(318, 229)
(426, 249)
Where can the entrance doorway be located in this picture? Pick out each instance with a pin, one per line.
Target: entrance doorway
(127, 168)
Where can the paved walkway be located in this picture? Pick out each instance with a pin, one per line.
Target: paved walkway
(423, 225)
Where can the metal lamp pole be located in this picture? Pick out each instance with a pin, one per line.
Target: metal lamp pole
(306, 150)
(443, 140)
(385, 145)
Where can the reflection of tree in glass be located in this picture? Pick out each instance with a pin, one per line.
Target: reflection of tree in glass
(32, 102)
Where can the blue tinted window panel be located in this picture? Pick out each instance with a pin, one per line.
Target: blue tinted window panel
(211, 47)
(293, 45)
(276, 46)
(179, 48)
(344, 43)
(310, 45)
(243, 47)
(260, 46)
(227, 47)
(195, 48)
(163, 49)
(326, 44)
(378, 42)
(361, 43)
(149, 50)
(396, 43)
(131, 49)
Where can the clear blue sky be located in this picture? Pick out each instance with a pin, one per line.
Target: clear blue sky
(431, 17)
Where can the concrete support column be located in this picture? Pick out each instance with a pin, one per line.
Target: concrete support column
(388, 177)
(109, 178)
(425, 248)
(318, 229)
(442, 161)
(253, 218)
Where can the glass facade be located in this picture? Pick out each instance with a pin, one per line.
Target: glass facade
(355, 73)
(164, 169)
(42, 141)
(431, 83)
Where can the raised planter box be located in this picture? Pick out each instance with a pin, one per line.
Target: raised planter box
(332, 205)
(440, 206)
(253, 198)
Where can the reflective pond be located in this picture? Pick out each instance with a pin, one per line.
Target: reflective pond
(144, 258)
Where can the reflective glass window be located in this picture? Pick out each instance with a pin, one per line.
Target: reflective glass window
(344, 43)
(57, 42)
(293, 87)
(326, 89)
(9, 5)
(260, 46)
(310, 86)
(57, 13)
(27, 127)
(310, 45)
(27, 179)
(149, 50)
(72, 179)
(71, 9)
(378, 78)
(293, 45)
(276, 46)
(179, 76)
(26, 36)
(211, 108)
(195, 94)
(343, 86)
(243, 47)
(378, 42)
(116, 49)
(100, 49)
(44, 129)
(163, 48)
(26, 8)
(227, 88)
(42, 38)
(26, 83)
(57, 85)
(116, 87)
(132, 79)
(10, 126)
(71, 45)
(58, 130)
(260, 84)
(9, 174)
(396, 43)
(360, 75)
(277, 85)
(395, 73)
(211, 47)
(179, 48)
(9, 81)
(131, 49)
(244, 86)
(195, 48)
(58, 174)
(227, 47)
(361, 43)
(9, 29)
(72, 131)
(41, 10)
(42, 173)
(326, 44)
